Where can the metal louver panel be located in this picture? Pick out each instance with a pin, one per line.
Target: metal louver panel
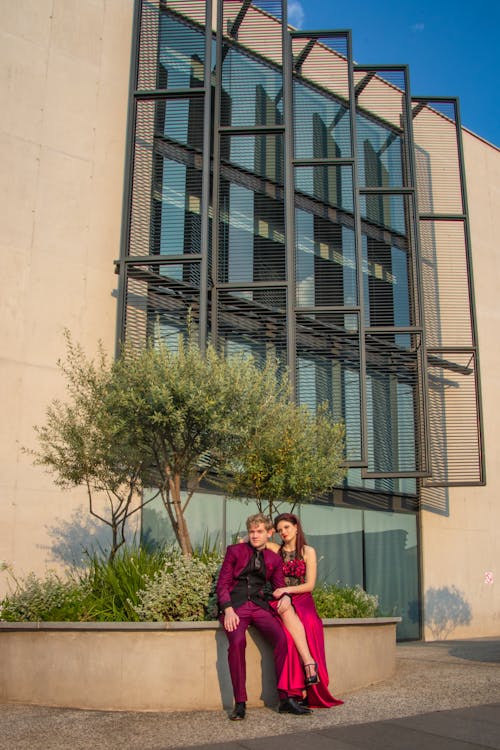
(454, 404)
(328, 370)
(166, 178)
(455, 433)
(159, 297)
(445, 284)
(394, 404)
(323, 60)
(171, 51)
(322, 127)
(251, 235)
(253, 321)
(439, 184)
(381, 93)
(256, 25)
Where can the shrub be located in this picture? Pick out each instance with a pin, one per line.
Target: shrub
(113, 586)
(180, 590)
(333, 600)
(49, 599)
(139, 584)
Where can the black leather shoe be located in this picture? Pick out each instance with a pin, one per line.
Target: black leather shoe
(238, 713)
(291, 706)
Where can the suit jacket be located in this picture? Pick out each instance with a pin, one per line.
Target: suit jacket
(236, 559)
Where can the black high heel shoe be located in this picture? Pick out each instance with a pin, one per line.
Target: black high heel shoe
(311, 677)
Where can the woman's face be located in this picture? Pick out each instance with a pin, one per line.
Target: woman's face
(287, 531)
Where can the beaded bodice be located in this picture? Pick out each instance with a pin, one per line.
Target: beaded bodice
(294, 568)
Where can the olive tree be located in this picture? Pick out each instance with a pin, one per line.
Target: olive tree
(294, 456)
(83, 443)
(193, 413)
(162, 420)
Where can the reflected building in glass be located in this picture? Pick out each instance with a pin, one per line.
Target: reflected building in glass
(297, 205)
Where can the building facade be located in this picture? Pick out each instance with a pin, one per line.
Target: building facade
(293, 204)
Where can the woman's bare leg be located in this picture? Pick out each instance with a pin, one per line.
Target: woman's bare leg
(293, 624)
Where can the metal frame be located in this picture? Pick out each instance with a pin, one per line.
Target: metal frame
(210, 285)
(421, 102)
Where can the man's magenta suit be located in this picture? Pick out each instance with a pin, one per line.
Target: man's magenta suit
(235, 561)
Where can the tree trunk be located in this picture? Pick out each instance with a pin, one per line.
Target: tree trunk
(182, 528)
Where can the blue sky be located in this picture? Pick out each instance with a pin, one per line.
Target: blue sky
(450, 47)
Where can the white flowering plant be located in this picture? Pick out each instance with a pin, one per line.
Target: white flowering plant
(181, 591)
(335, 600)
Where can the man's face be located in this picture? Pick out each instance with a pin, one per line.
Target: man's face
(258, 535)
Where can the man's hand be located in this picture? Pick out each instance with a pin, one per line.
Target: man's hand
(284, 604)
(231, 619)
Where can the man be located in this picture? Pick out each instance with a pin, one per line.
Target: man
(245, 571)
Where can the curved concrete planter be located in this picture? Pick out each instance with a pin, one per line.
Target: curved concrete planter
(176, 666)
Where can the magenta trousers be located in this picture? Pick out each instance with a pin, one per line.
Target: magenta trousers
(270, 627)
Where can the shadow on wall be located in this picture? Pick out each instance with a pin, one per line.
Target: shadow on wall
(435, 500)
(76, 538)
(267, 676)
(445, 609)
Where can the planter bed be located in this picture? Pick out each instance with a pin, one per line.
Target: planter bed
(169, 666)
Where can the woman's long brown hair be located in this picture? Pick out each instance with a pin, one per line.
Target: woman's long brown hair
(300, 540)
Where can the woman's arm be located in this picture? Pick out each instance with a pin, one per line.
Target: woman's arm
(269, 545)
(309, 555)
(273, 546)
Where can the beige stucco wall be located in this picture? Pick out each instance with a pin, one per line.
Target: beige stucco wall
(460, 525)
(64, 77)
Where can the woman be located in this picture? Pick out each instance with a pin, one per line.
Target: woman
(306, 663)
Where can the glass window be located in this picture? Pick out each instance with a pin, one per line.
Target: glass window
(337, 536)
(392, 567)
(203, 515)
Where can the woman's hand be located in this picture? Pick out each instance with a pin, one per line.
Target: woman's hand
(278, 593)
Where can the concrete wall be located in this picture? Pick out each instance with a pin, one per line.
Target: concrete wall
(64, 78)
(169, 666)
(460, 524)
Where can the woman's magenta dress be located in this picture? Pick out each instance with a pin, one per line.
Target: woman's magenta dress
(292, 679)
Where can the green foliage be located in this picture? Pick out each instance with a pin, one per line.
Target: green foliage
(49, 599)
(149, 585)
(85, 442)
(180, 591)
(344, 601)
(112, 587)
(192, 412)
(162, 419)
(292, 455)
(138, 584)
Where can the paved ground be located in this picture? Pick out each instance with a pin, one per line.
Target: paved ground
(444, 695)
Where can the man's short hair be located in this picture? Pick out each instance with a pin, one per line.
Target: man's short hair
(257, 519)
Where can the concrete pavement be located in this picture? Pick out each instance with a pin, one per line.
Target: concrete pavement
(444, 695)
